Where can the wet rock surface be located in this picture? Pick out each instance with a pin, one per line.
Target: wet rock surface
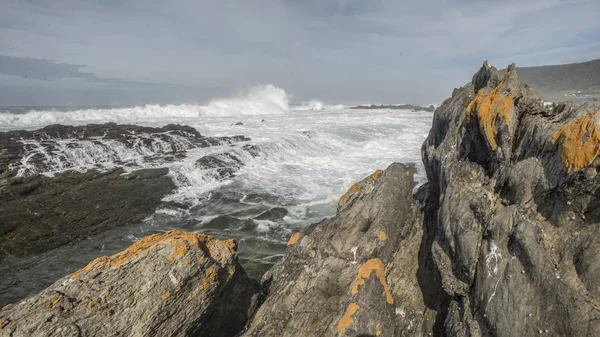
(354, 274)
(172, 284)
(41, 213)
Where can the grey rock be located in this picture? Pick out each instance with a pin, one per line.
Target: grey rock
(174, 284)
(506, 181)
(354, 274)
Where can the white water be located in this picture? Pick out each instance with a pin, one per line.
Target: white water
(308, 156)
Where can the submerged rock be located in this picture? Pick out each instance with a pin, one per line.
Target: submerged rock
(354, 274)
(174, 284)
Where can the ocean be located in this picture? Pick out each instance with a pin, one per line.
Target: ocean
(307, 155)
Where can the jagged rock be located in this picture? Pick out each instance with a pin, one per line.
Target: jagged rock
(354, 274)
(174, 284)
(511, 217)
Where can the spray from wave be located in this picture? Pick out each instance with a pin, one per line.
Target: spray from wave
(317, 105)
(259, 100)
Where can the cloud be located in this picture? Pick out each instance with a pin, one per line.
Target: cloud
(336, 50)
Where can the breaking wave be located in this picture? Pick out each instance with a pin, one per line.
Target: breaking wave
(259, 100)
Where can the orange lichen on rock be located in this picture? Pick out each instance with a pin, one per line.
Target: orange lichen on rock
(91, 305)
(53, 303)
(346, 320)
(179, 247)
(353, 189)
(488, 108)
(91, 281)
(364, 273)
(378, 332)
(375, 176)
(580, 142)
(381, 235)
(293, 239)
(1, 324)
(165, 295)
(140, 249)
(186, 262)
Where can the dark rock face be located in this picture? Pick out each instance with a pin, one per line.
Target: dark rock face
(39, 213)
(174, 284)
(354, 274)
(411, 107)
(511, 224)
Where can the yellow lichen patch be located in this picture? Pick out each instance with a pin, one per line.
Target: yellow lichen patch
(293, 239)
(91, 305)
(408, 173)
(488, 108)
(346, 320)
(91, 281)
(52, 303)
(105, 313)
(375, 176)
(186, 262)
(105, 295)
(353, 189)
(381, 235)
(177, 288)
(179, 247)
(165, 295)
(140, 249)
(170, 258)
(378, 333)
(364, 273)
(201, 259)
(580, 142)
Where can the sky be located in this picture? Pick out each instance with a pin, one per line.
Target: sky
(121, 52)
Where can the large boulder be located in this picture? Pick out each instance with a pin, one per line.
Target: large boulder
(512, 223)
(174, 284)
(354, 274)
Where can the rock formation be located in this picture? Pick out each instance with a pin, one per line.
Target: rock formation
(174, 284)
(503, 240)
(354, 274)
(512, 219)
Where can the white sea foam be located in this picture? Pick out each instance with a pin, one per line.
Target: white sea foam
(317, 105)
(304, 157)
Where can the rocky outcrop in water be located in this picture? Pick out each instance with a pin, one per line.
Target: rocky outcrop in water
(174, 284)
(506, 243)
(410, 107)
(354, 274)
(40, 212)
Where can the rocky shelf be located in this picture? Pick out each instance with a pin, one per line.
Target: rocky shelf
(503, 240)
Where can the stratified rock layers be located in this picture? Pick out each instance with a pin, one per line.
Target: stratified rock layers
(174, 284)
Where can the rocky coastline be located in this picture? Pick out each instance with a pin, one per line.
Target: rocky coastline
(502, 240)
(410, 107)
